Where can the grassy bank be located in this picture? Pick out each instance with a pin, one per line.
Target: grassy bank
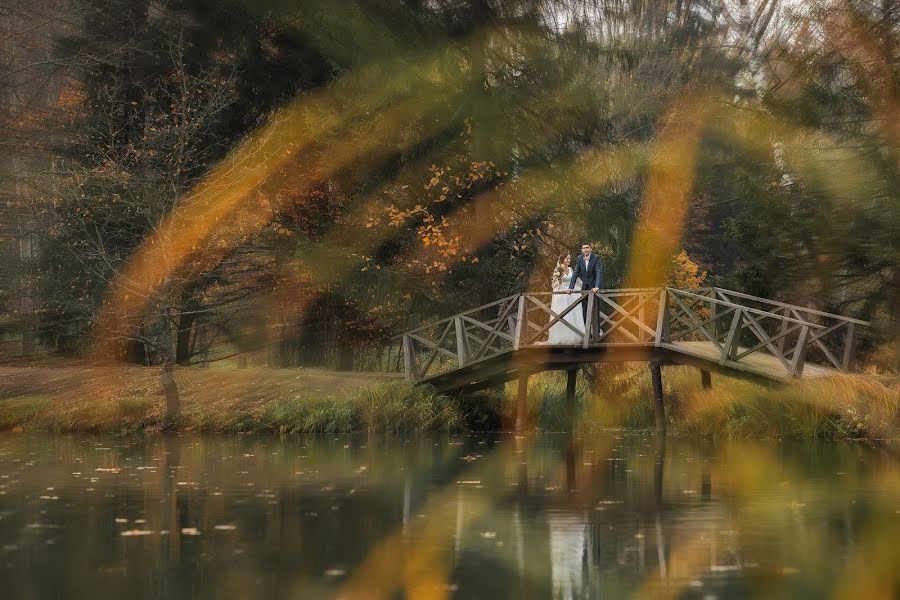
(82, 398)
(843, 407)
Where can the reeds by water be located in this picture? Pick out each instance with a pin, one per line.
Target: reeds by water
(614, 396)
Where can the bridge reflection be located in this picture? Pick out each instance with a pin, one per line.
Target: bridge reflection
(554, 516)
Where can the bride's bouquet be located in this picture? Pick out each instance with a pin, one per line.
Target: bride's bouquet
(558, 273)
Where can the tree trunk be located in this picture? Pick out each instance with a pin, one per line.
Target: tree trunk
(136, 352)
(185, 327)
(170, 389)
(345, 356)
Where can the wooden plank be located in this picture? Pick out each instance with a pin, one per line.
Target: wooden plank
(409, 359)
(520, 323)
(460, 341)
(556, 318)
(764, 337)
(799, 360)
(780, 337)
(494, 333)
(628, 311)
(795, 307)
(747, 309)
(488, 328)
(589, 322)
(436, 347)
(693, 328)
(629, 315)
(828, 354)
(848, 361)
(696, 320)
(729, 348)
(662, 317)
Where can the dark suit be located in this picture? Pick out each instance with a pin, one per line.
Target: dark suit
(591, 276)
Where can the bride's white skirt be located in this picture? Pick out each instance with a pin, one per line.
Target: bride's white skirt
(559, 332)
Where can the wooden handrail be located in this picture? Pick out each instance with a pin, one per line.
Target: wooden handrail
(472, 338)
(462, 314)
(793, 306)
(756, 311)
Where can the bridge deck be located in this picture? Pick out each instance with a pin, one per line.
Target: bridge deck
(713, 329)
(507, 365)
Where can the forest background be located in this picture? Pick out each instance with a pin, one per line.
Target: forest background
(293, 183)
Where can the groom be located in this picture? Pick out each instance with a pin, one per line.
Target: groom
(587, 268)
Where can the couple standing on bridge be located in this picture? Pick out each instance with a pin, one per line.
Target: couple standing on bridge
(586, 273)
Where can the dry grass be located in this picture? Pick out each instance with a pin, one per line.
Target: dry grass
(80, 397)
(843, 407)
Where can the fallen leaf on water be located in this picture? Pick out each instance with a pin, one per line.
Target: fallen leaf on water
(134, 532)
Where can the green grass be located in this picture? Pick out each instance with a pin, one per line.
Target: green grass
(620, 397)
(16, 412)
(613, 396)
(387, 407)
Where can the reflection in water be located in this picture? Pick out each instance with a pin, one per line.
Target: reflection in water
(625, 514)
(568, 555)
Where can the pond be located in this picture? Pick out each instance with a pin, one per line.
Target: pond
(617, 514)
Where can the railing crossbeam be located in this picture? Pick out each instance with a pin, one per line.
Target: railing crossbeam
(627, 319)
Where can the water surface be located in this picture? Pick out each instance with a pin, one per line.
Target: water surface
(615, 515)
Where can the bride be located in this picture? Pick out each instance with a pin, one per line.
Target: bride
(559, 332)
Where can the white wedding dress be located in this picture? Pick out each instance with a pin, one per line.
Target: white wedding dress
(559, 332)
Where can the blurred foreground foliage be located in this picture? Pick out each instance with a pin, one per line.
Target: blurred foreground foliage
(440, 155)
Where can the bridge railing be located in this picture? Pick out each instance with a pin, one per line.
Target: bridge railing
(833, 343)
(731, 326)
(471, 336)
(613, 316)
(737, 331)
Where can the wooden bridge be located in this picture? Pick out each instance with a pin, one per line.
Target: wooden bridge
(713, 329)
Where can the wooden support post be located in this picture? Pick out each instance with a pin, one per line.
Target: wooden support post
(784, 327)
(659, 406)
(714, 311)
(799, 358)
(409, 359)
(729, 350)
(522, 402)
(461, 341)
(662, 319)
(848, 364)
(571, 375)
(705, 379)
(589, 325)
(642, 317)
(521, 327)
(511, 324)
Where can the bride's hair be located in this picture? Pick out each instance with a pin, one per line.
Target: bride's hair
(562, 258)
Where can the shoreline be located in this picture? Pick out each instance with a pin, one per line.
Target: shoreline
(75, 397)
